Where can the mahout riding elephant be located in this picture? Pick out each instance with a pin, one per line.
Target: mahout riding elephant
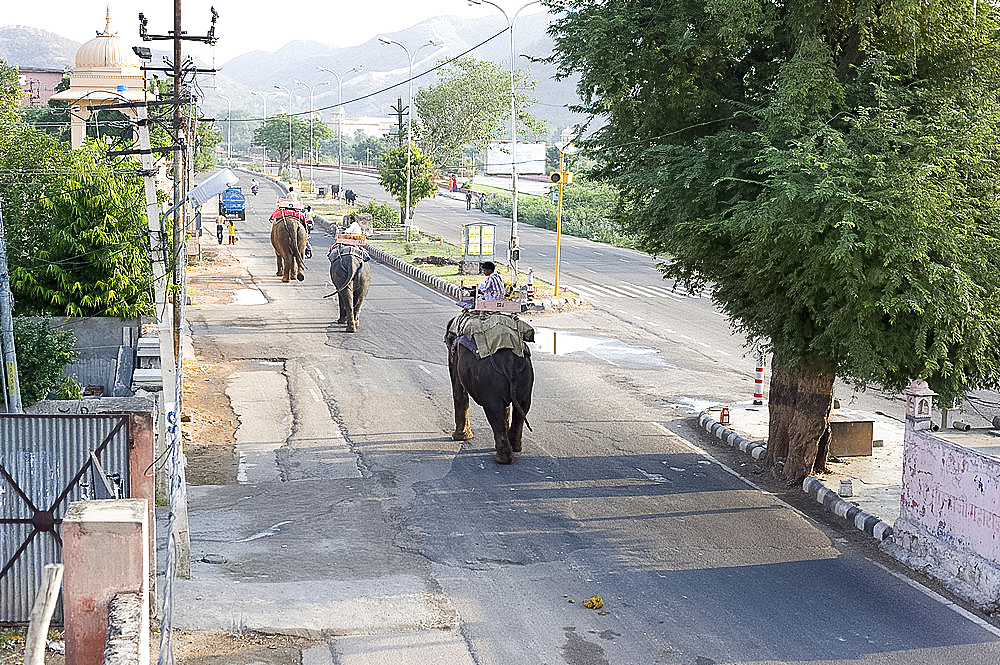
(501, 383)
(351, 276)
(288, 237)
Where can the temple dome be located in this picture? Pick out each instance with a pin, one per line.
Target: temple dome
(105, 51)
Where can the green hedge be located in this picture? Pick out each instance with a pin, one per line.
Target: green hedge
(586, 212)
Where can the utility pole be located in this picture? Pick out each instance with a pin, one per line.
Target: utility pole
(399, 111)
(12, 390)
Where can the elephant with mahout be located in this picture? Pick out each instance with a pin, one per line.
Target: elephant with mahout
(351, 275)
(288, 237)
(500, 382)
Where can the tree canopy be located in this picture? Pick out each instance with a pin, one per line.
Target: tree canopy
(470, 106)
(274, 135)
(75, 225)
(828, 170)
(393, 176)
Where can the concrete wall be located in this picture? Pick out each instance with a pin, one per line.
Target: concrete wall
(949, 523)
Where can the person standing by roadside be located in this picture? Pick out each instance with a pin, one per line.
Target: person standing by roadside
(482, 201)
(468, 200)
(232, 233)
(218, 227)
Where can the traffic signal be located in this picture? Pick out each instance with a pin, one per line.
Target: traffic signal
(561, 178)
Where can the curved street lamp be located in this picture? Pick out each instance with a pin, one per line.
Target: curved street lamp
(263, 121)
(513, 249)
(229, 129)
(340, 120)
(312, 155)
(409, 123)
(281, 87)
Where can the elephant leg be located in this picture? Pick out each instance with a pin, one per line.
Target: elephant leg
(343, 300)
(286, 274)
(461, 398)
(278, 257)
(517, 417)
(496, 414)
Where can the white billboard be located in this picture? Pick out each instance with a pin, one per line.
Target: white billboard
(530, 158)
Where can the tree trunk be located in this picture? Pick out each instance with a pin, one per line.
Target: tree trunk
(799, 405)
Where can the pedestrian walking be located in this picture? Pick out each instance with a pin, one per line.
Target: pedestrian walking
(468, 200)
(218, 227)
(232, 233)
(482, 201)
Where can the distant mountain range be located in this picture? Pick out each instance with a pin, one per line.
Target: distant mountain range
(369, 92)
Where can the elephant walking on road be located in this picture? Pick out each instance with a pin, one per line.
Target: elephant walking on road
(351, 276)
(501, 383)
(288, 237)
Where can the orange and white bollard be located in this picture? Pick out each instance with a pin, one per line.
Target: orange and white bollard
(758, 383)
(531, 284)
(724, 416)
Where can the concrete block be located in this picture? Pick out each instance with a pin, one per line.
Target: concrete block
(105, 552)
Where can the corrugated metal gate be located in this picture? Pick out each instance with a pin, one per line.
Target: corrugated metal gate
(45, 464)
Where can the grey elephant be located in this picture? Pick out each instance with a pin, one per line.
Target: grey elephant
(498, 379)
(351, 275)
(289, 237)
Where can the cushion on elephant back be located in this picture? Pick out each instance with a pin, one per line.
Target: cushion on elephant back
(337, 252)
(492, 331)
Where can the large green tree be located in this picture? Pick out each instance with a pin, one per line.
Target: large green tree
(274, 135)
(470, 106)
(828, 170)
(75, 225)
(393, 177)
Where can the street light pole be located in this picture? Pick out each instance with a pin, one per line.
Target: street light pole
(229, 129)
(408, 219)
(263, 121)
(514, 240)
(312, 106)
(340, 121)
(280, 87)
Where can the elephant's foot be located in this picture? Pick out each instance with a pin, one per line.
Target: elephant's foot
(461, 434)
(515, 446)
(342, 319)
(503, 458)
(277, 274)
(300, 277)
(284, 279)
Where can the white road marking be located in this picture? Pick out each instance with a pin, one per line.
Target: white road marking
(315, 396)
(426, 370)
(320, 374)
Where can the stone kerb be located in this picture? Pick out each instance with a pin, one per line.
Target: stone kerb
(949, 522)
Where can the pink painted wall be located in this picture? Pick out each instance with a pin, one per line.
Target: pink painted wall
(953, 492)
(105, 551)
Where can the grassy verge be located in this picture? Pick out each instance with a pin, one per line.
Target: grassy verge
(421, 248)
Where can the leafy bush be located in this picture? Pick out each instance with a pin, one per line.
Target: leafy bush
(42, 356)
(586, 212)
(383, 215)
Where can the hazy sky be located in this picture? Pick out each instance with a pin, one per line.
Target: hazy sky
(243, 25)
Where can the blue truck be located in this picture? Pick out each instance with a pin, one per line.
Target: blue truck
(233, 204)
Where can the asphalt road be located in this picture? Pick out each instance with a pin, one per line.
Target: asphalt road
(360, 522)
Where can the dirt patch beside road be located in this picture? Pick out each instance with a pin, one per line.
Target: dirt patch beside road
(208, 423)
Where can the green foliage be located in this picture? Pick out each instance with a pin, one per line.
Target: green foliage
(587, 212)
(470, 106)
(75, 227)
(383, 216)
(393, 176)
(42, 356)
(369, 149)
(830, 169)
(274, 135)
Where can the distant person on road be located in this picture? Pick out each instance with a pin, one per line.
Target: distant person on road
(468, 200)
(219, 223)
(492, 288)
(482, 201)
(232, 233)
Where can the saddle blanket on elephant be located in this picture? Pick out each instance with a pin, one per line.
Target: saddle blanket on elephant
(491, 331)
(337, 252)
